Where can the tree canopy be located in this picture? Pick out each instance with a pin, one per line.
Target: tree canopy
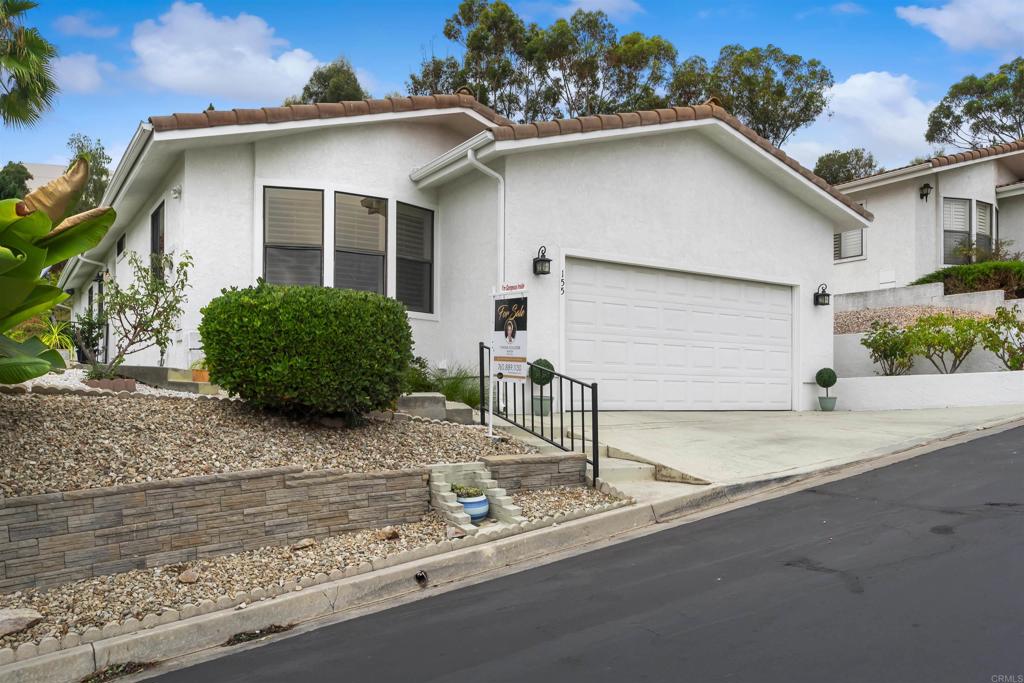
(27, 87)
(334, 82)
(839, 166)
(83, 147)
(14, 179)
(773, 92)
(981, 110)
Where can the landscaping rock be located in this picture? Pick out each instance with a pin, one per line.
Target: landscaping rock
(17, 620)
(560, 500)
(855, 322)
(188, 576)
(303, 544)
(388, 533)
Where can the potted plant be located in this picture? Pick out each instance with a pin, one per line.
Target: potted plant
(57, 337)
(200, 373)
(473, 501)
(826, 379)
(541, 375)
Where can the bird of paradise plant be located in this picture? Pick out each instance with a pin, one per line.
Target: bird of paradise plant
(28, 244)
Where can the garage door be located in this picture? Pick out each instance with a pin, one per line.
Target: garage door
(663, 340)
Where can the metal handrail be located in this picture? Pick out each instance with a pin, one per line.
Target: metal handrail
(533, 422)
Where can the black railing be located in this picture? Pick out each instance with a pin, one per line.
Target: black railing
(554, 411)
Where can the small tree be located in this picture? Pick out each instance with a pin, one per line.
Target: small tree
(890, 347)
(945, 340)
(14, 179)
(83, 147)
(837, 166)
(144, 313)
(1004, 336)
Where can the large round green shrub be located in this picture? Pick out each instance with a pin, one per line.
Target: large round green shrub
(307, 349)
(980, 277)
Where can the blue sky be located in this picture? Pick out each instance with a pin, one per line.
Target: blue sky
(124, 61)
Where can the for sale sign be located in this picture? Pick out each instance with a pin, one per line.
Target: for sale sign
(508, 348)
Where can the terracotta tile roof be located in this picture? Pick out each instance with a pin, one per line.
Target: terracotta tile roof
(708, 110)
(300, 112)
(503, 128)
(952, 159)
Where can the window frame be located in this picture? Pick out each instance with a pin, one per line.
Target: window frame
(991, 223)
(153, 226)
(971, 228)
(263, 228)
(432, 312)
(387, 242)
(847, 259)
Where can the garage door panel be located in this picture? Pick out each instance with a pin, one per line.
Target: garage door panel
(664, 340)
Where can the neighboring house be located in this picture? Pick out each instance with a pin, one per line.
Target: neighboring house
(925, 211)
(43, 173)
(685, 248)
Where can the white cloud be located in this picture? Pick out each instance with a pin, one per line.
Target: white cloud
(876, 110)
(81, 24)
(79, 72)
(189, 50)
(620, 9)
(848, 8)
(969, 24)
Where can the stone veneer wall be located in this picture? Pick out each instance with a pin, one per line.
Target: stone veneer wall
(538, 471)
(52, 538)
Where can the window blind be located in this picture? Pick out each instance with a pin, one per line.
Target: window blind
(984, 235)
(848, 244)
(415, 258)
(293, 221)
(360, 242)
(956, 229)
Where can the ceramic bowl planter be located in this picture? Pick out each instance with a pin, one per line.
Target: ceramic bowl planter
(826, 379)
(473, 501)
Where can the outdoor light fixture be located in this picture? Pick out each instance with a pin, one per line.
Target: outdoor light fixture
(822, 297)
(926, 190)
(541, 262)
(176, 192)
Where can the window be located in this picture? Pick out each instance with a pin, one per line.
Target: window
(849, 244)
(293, 235)
(956, 229)
(415, 258)
(156, 237)
(120, 245)
(360, 238)
(983, 238)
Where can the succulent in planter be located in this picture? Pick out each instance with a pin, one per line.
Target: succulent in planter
(541, 374)
(200, 373)
(473, 501)
(826, 379)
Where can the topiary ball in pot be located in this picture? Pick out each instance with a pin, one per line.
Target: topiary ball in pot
(826, 378)
(541, 375)
(308, 350)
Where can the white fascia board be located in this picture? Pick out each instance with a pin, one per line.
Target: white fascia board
(139, 143)
(312, 124)
(440, 166)
(917, 171)
(1008, 191)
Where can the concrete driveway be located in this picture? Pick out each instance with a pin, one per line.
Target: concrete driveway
(730, 447)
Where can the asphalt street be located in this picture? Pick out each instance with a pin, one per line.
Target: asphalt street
(913, 572)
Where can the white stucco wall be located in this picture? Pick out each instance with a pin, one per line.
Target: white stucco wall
(930, 391)
(673, 201)
(853, 360)
(1011, 221)
(889, 244)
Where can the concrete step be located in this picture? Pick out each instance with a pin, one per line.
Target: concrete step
(614, 470)
(458, 413)
(426, 404)
(193, 387)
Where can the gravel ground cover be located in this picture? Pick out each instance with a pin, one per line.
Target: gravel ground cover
(853, 322)
(540, 503)
(134, 594)
(74, 378)
(62, 443)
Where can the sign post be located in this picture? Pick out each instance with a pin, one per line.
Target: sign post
(508, 341)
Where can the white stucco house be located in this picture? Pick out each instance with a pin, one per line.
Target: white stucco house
(924, 211)
(686, 249)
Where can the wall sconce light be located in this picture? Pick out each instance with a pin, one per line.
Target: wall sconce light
(822, 297)
(926, 190)
(176, 192)
(541, 262)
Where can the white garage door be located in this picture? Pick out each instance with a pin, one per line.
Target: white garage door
(663, 340)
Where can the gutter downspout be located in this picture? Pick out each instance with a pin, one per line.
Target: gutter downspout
(471, 158)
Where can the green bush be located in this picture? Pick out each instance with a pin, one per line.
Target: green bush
(1003, 335)
(945, 340)
(311, 350)
(890, 347)
(540, 372)
(980, 277)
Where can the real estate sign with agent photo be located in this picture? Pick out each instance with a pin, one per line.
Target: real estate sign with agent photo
(509, 352)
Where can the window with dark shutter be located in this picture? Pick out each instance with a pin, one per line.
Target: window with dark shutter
(293, 236)
(985, 229)
(849, 244)
(415, 258)
(956, 229)
(360, 242)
